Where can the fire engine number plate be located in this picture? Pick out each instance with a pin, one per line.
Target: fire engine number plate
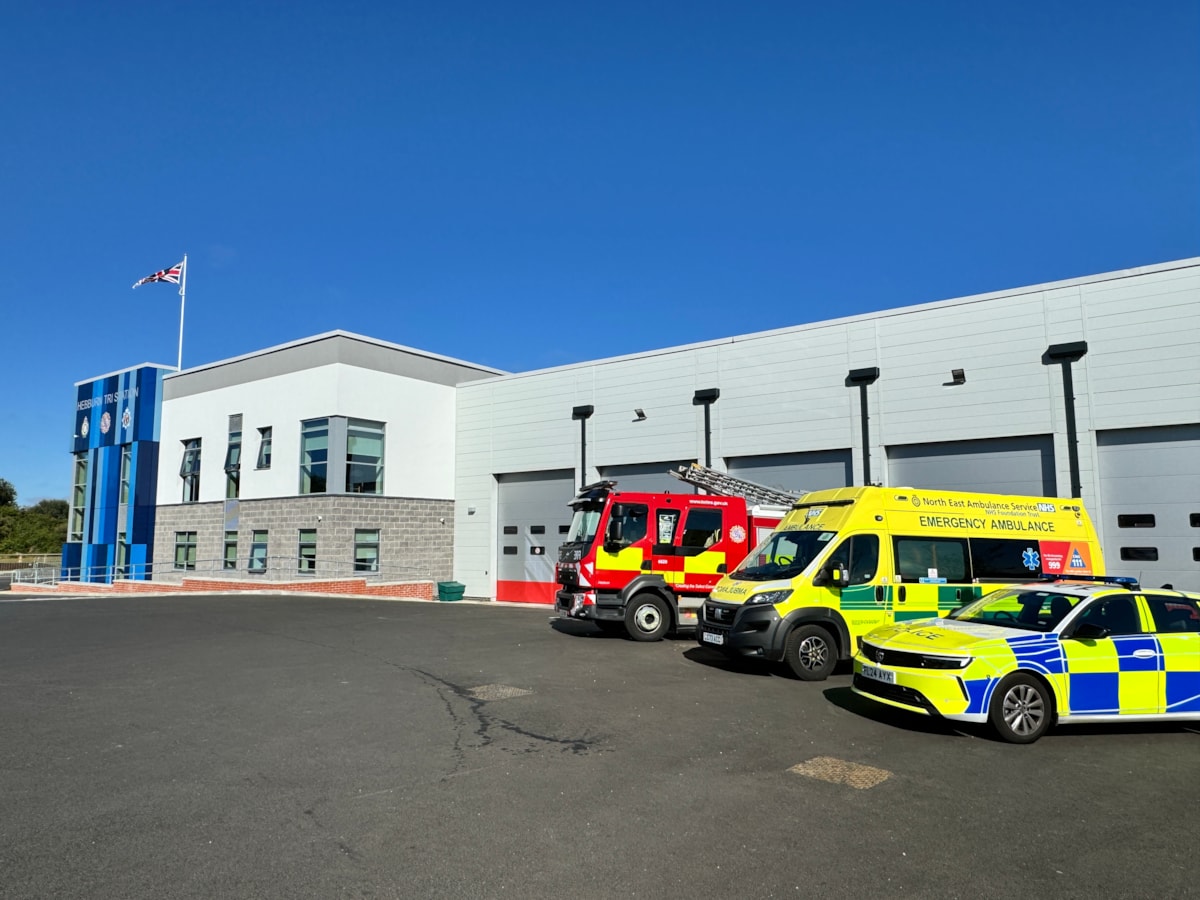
(709, 638)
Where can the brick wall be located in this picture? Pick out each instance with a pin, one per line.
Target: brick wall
(416, 536)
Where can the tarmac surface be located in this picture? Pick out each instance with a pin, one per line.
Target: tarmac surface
(302, 746)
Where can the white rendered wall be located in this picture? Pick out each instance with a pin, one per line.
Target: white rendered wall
(418, 444)
(784, 391)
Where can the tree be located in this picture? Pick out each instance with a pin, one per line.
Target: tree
(55, 509)
(8, 493)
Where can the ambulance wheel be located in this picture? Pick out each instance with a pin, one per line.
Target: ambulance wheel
(1022, 709)
(811, 653)
(647, 618)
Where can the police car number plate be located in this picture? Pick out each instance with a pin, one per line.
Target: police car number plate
(879, 674)
(710, 638)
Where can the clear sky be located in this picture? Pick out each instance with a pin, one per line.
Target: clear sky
(525, 185)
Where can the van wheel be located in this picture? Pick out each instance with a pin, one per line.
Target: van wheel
(811, 653)
(647, 618)
(1022, 709)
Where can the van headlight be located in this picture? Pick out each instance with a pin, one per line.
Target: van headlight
(769, 597)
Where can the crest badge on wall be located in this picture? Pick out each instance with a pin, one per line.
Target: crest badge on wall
(105, 423)
(83, 428)
(126, 418)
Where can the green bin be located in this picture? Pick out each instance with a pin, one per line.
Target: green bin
(450, 590)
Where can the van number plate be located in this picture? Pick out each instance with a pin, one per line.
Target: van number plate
(710, 638)
(879, 674)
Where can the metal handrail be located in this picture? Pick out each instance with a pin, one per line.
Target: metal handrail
(271, 568)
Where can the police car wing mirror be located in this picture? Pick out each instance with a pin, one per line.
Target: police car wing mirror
(1089, 631)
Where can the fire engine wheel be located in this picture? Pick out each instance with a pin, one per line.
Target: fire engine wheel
(811, 653)
(647, 618)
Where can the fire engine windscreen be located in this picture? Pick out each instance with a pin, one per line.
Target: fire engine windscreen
(584, 523)
(784, 554)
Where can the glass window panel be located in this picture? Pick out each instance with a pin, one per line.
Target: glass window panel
(307, 554)
(264, 447)
(258, 552)
(364, 457)
(314, 456)
(366, 550)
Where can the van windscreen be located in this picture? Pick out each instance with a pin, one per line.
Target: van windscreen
(784, 554)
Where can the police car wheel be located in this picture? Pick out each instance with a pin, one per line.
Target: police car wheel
(811, 653)
(1022, 709)
(647, 618)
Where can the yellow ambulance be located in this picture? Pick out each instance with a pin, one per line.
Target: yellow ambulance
(847, 560)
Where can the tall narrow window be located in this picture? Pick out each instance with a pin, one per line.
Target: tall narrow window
(314, 456)
(185, 549)
(364, 457)
(233, 458)
(258, 552)
(189, 470)
(126, 471)
(122, 568)
(366, 550)
(230, 559)
(307, 552)
(78, 497)
(264, 448)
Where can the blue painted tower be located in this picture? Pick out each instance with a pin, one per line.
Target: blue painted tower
(110, 531)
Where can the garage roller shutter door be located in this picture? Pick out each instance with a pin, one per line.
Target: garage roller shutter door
(533, 517)
(812, 471)
(1016, 465)
(1150, 496)
(648, 477)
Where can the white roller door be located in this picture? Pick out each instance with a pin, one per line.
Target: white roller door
(1012, 465)
(533, 518)
(812, 471)
(647, 477)
(1150, 496)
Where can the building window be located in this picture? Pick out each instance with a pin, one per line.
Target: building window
(122, 568)
(307, 552)
(78, 497)
(364, 457)
(366, 550)
(314, 456)
(126, 469)
(185, 550)
(258, 552)
(233, 458)
(264, 448)
(189, 470)
(230, 559)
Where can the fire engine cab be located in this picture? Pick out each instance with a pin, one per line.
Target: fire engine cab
(644, 563)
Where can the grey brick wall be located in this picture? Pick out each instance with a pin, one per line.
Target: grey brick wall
(416, 537)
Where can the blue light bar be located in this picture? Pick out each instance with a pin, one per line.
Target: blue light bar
(1124, 581)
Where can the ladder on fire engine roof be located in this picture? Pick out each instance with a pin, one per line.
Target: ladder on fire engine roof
(727, 485)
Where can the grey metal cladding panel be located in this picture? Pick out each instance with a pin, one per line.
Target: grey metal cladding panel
(1154, 471)
(810, 471)
(650, 477)
(525, 500)
(1016, 465)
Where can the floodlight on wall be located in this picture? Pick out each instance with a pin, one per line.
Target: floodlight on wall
(1065, 354)
(581, 414)
(957, 376)
(706, 397)
(639, 415)
(861, 378)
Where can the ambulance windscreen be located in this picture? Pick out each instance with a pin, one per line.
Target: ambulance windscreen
(784, 554)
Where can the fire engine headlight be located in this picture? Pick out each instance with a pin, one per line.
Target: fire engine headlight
(769, 597)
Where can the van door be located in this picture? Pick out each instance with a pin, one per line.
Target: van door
(864, 602)
(933, 576)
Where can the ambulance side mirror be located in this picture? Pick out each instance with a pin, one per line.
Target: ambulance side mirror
(833, 575)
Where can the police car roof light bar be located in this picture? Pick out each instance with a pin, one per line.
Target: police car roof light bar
(1124, 581)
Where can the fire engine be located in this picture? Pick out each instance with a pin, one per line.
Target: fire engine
(644, 563)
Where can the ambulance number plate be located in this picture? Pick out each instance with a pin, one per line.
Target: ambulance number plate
(712, 638)
(879, 674)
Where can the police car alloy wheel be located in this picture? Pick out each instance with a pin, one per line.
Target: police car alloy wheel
(1021, 709)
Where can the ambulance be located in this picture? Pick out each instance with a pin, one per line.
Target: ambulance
(845, 561)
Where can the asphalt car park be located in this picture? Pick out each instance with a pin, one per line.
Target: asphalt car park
(236, 746)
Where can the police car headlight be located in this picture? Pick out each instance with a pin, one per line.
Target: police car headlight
(945, 662)
(769, 597)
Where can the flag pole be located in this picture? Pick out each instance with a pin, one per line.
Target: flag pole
(182, 301)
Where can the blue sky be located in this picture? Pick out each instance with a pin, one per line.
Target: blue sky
(530, 184)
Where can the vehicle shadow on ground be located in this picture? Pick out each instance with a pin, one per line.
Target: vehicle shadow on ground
(714, 659)
(845, 698)
(583, 629)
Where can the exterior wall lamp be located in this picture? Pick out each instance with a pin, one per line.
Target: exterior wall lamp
(581, 414)
(1065, 354)
(862, 378)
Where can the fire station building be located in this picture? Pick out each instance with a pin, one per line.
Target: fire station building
(342, 453)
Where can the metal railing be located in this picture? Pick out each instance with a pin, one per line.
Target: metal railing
(244, 569)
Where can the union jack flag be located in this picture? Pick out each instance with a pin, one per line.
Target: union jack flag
(171, 275)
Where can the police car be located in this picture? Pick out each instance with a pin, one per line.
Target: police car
(1026, 657)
